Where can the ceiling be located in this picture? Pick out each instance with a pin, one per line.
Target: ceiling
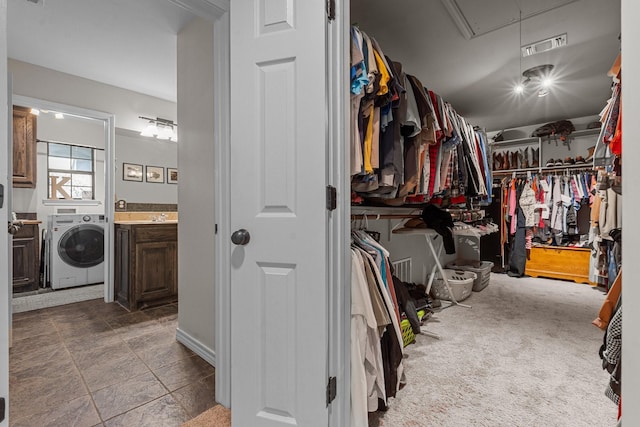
(125, 43)
(132, 44)
(477, 75)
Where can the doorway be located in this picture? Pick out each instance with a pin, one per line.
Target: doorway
(92, 132)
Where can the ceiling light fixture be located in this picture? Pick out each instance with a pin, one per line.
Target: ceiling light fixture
(540, 74)
(59, 116)
(163, 129)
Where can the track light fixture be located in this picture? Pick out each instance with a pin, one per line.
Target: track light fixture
(160, 128)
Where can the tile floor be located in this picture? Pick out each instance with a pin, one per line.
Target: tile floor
(95, 364)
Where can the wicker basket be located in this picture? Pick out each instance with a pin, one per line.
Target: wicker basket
(483, 272)
(460, 282)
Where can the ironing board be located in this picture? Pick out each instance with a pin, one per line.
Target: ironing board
(430, 236)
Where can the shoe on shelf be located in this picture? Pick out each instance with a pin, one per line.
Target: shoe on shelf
(559, 162)
(497, 161)
(535, 157)
(525, 158)
(505, 161)
(579, 160)
(569, 161)
(550, 163)
(590, 155)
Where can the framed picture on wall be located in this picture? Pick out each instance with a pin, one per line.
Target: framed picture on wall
(155, 174)
(172, 175)
(131, 172)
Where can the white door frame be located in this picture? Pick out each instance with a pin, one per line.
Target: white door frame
(217, 11)
(6, 182)
(338, 65)
(109, 177)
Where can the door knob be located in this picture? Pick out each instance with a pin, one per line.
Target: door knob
(240, 237)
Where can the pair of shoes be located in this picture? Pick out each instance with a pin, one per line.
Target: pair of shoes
(579, 160)
(550, 163)
(569, 161)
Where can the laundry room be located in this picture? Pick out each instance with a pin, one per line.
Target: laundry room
(59, 195)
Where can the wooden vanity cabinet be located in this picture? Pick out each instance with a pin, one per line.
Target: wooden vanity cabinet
(146, 264)
(26, 259)
(24, 148)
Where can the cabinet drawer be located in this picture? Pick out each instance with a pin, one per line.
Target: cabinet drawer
(156, 233)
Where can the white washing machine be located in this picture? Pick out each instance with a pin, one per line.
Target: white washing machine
(76, 250)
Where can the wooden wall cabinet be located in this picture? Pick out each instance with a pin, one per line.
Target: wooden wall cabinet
(26, 259)
(146, 264)
(24, 148)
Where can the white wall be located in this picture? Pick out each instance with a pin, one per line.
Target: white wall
(133, 148)
(630, 209)
(71, 130)
(195, 199)
(50, 85)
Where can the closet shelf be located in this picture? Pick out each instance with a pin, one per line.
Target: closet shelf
(520, 141)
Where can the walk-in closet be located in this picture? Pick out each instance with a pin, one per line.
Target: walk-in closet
(486, 220)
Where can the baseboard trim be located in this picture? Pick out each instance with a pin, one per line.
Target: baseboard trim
(196, 346)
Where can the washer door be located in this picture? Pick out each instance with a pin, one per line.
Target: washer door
(82, 246)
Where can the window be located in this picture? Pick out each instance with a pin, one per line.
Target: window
(70, 171)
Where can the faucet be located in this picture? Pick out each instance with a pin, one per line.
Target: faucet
(14, 224)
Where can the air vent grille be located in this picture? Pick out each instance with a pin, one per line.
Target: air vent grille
(402, 269)
(544, 45)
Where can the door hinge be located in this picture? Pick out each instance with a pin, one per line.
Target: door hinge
(331, 10)
(332, 389)
(332, 197)
(2, 408)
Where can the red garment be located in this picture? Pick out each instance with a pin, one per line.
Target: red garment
(433, 159)
(616, 142)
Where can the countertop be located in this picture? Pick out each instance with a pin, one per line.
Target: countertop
(30, 221)
(142, 222)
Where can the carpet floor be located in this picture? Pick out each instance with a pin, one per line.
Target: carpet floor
(218, 416)
(524, 355)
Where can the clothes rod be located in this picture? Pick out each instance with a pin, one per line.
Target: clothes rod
(384, 216)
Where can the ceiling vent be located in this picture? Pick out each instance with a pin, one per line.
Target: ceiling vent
(544, 45)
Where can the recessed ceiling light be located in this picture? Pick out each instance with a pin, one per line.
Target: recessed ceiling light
(59, 116)
(519, 88)
(35, 111)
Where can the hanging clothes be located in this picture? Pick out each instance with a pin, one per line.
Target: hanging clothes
(376, 340)
(408, 145)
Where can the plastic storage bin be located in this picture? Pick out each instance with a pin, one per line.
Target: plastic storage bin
(483, 271)
(460, 282)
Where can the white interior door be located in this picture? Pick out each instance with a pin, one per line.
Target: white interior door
(279, 333)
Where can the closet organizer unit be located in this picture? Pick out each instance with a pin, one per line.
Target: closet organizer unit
(566, 166)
